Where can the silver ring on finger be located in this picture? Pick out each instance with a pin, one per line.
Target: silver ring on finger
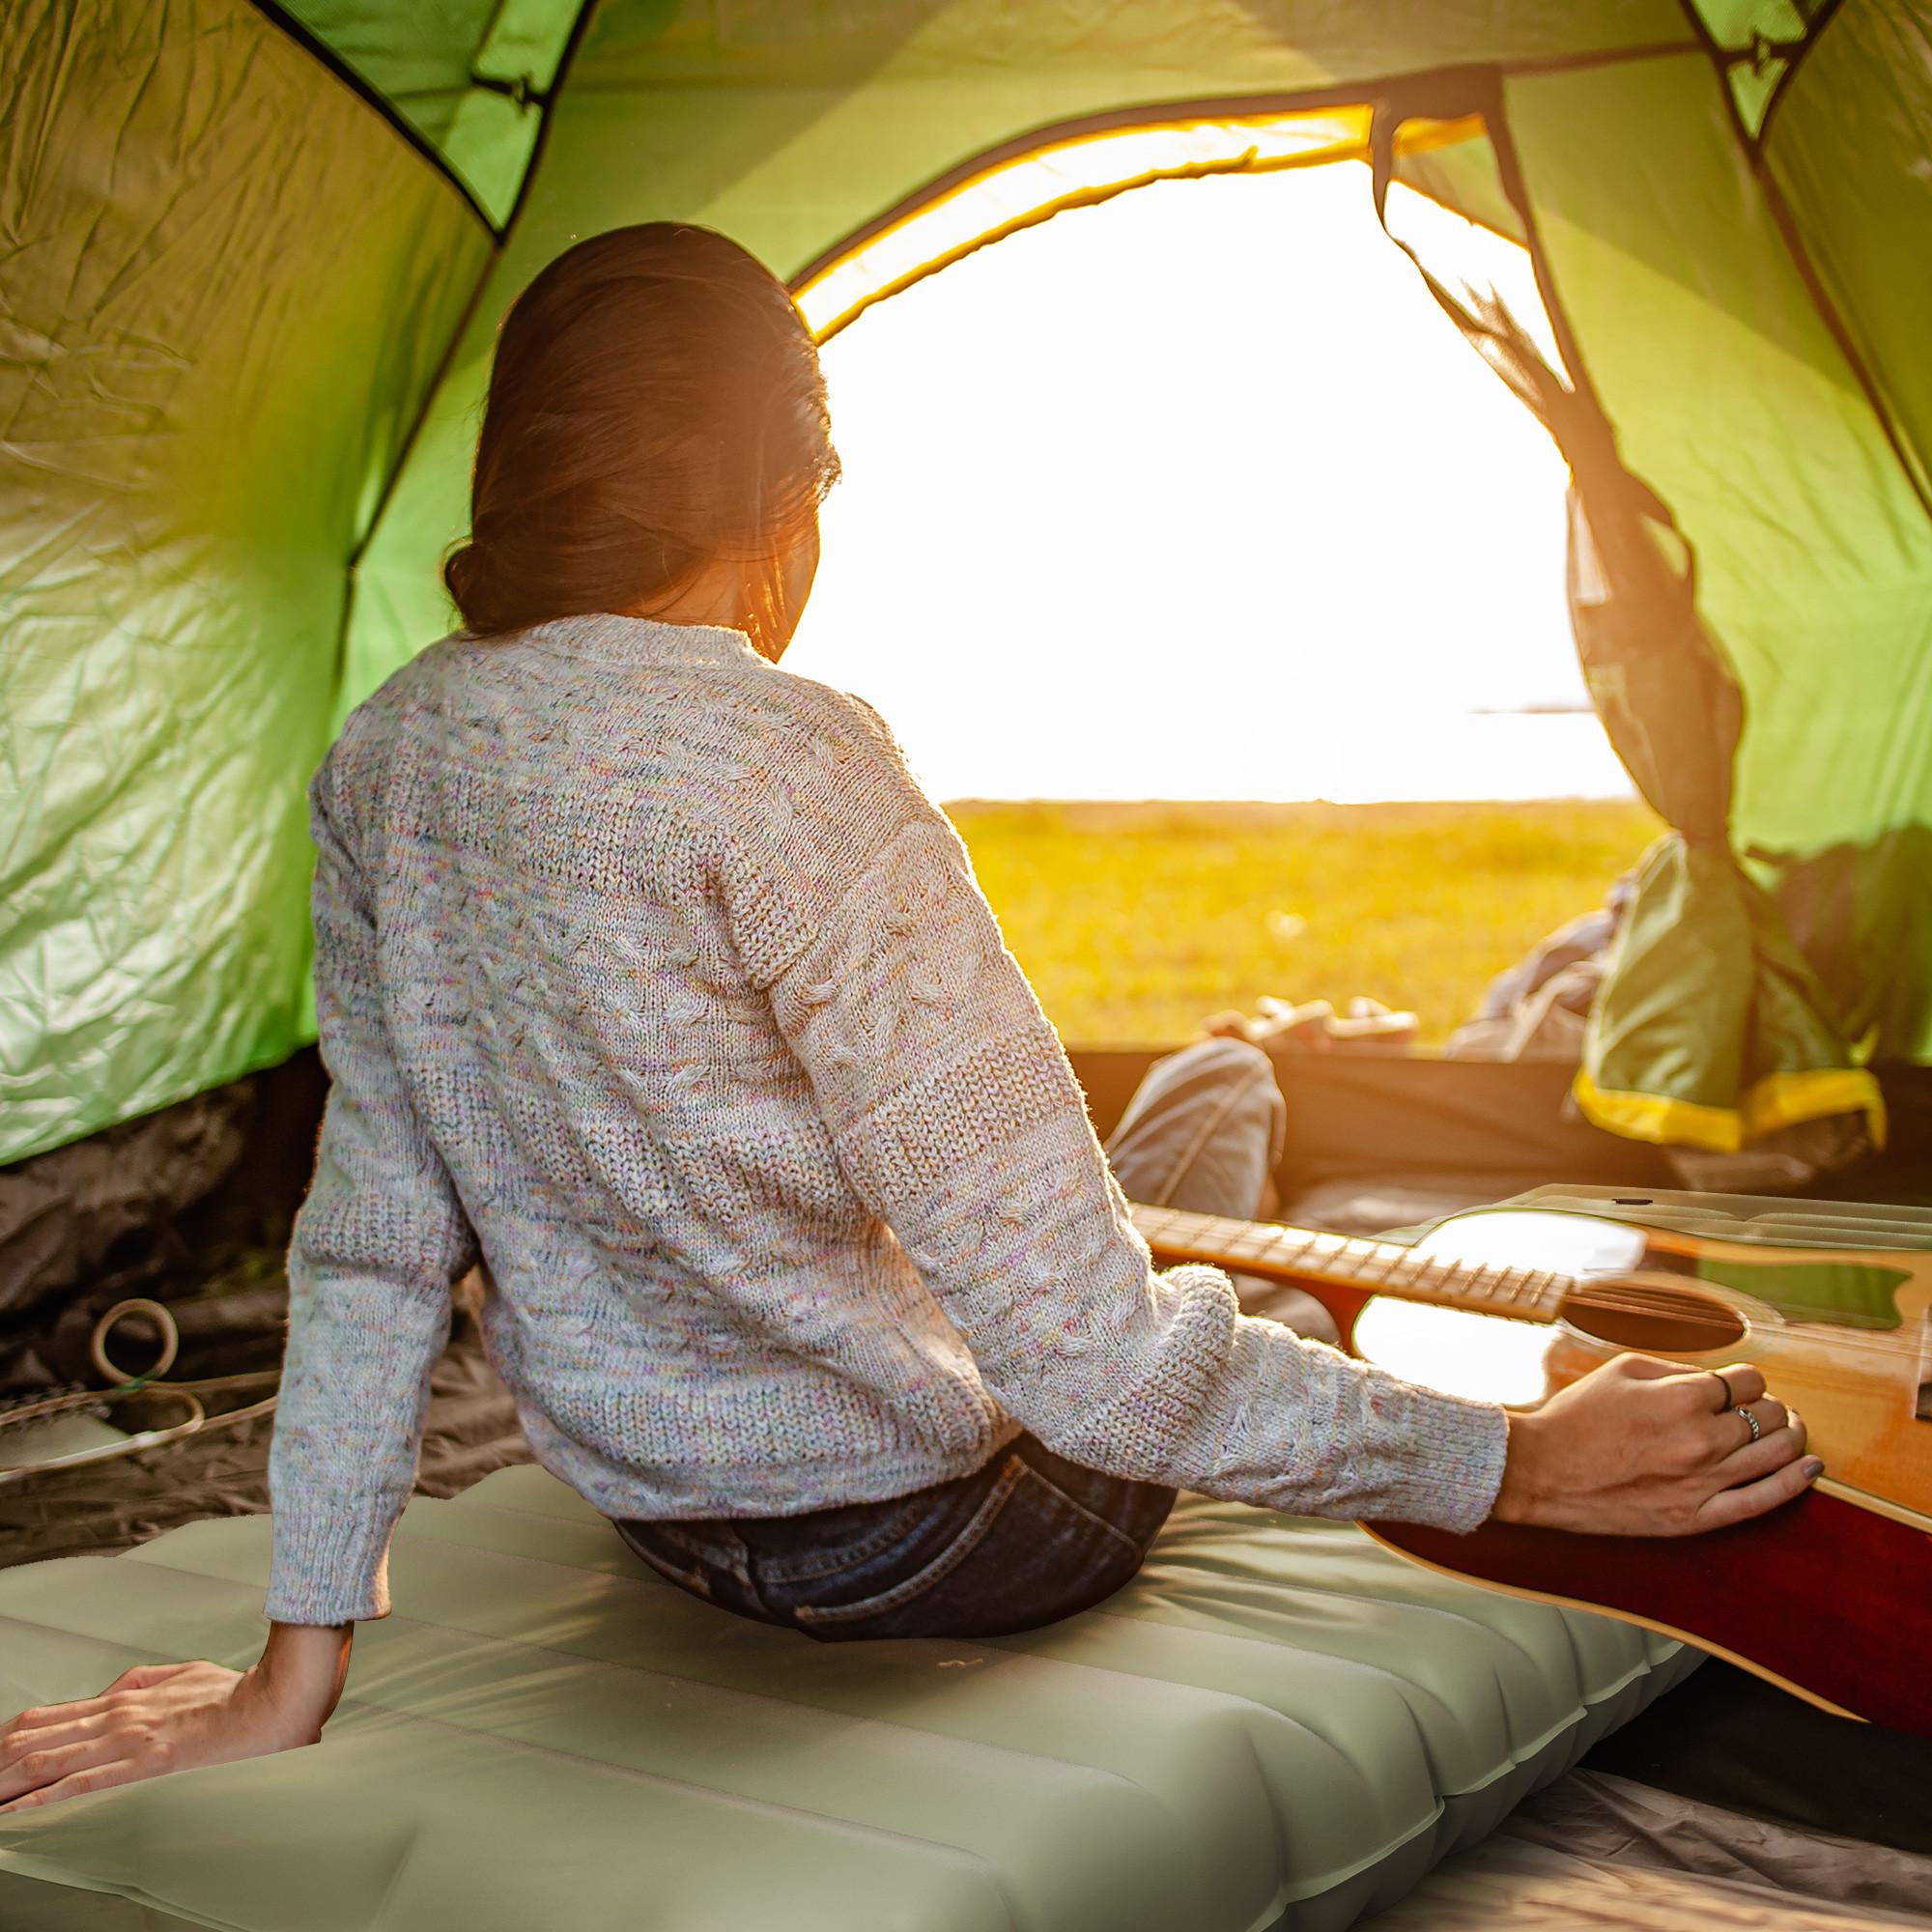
(1750, 1421)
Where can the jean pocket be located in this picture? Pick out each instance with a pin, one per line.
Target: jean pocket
(909, 1589)
(1030, 1555)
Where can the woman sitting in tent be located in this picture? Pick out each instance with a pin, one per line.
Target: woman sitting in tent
(651, 980)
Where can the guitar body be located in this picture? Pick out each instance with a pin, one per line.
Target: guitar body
(1831, 1596)
(1829, 1600)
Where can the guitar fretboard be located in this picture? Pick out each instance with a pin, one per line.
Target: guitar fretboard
(1374, 1267)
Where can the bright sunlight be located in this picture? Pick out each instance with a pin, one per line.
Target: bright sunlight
(1197, 495)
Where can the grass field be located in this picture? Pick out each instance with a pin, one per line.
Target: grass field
(1135, 922)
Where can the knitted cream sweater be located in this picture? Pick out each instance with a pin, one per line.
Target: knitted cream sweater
(648, 976)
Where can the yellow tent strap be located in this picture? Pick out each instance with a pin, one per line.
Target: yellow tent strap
(1778, 1101)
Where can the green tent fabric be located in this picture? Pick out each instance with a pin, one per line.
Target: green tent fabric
(255, 257)
(1710, 1030)
(209, 244)
(469, 78)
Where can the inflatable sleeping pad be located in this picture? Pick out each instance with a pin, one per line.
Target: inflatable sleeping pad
(1277, 1724)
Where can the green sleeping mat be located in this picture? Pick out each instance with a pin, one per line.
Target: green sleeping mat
(1279, 1723)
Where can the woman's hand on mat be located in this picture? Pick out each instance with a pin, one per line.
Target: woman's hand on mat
(1641, 1448)
(175, 1716)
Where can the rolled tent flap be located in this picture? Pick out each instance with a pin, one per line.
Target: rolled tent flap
(1710, 1031)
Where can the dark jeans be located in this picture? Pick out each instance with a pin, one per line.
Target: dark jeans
(1029, 1537)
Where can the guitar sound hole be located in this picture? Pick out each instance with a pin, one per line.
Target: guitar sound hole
(1658, 1321)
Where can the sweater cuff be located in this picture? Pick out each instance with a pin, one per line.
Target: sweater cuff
(1454, 1450)
(330, 1563)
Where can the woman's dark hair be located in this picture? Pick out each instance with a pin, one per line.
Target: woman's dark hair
(656, 403)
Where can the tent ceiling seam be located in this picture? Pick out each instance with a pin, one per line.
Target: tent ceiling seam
(546, 102)
(372, 97)
(434, 388)
(1834, 321)
(1814, 27)
(408, 444)
(1786, 223)
(1792, 53)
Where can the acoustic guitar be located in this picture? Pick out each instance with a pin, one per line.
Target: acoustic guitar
(1829, 1596)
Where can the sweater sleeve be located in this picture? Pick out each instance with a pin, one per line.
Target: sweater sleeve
(958, 1120)
(379, 1239)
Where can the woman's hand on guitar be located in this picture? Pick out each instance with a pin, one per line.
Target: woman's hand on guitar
(1640, 1448)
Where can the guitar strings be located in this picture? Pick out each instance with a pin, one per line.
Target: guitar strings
(1601, 1299)
(1246, 1243)
(1243, 1248)
(1637, 1305)
(1634, 1301)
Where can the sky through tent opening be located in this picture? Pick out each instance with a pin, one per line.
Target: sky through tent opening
(1196, 494)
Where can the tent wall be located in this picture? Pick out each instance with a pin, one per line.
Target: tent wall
(1859, 187)
(1849, 147)
(243, 392)
(210, 242)
(789, 127)
(1711, 357)
(1732, 398)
